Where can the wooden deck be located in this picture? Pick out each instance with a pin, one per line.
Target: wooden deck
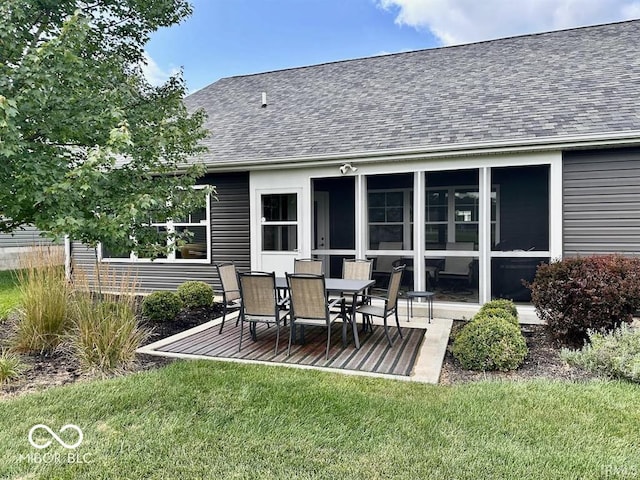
(375, 355)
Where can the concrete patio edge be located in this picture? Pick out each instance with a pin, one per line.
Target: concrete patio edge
(426, 368)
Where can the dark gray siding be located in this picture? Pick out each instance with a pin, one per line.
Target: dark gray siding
(601, 202)
(230, 222)
(24, 238)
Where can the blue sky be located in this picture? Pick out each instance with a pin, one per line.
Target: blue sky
(236, 37)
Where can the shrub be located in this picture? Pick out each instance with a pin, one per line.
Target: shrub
(44, 289)
(10, 367)
(615, 354)
(496, 313)
(575, 295)
(161, 306)
(502, 303)
(490, 344)
(195, 294)
(105, 332)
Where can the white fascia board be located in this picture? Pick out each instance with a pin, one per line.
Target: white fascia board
(439, 151)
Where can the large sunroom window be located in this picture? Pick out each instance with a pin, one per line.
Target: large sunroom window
(452, 216)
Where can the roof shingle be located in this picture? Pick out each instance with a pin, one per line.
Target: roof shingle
(571, 82)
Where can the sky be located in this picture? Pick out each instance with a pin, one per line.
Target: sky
(225, 38)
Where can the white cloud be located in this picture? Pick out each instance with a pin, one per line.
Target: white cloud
(155, 75)
(463, 21)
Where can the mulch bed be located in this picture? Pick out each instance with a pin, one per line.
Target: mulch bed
(543, 361)
(55, 369)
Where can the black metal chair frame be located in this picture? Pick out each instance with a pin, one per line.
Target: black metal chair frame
(390, 303)
(260, 304)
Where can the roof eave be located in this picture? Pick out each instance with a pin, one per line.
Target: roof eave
(538, 144)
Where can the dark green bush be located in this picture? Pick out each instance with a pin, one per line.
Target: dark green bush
(575, 295)
(195, 294)
(161, 306)
(496, 312)
(503, 303)
(490, 344)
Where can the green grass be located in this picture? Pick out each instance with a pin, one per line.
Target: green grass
(9, 293)
(222, 420)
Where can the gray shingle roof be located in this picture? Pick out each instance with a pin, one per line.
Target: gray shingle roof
(571, 82)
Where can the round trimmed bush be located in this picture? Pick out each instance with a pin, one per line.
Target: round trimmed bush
(195, 294)
(161, 306)
(503, 303)
(496, 313)
(490, 344)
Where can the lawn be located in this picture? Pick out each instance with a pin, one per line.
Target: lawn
(224, 421)
(9, 293)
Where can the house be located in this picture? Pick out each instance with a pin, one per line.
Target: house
(470, 164)
(21, 241)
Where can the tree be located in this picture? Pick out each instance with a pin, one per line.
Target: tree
(87, 146)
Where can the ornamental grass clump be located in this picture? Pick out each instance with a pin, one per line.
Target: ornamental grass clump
(10, 367)
(576, 295)
(615, 354)
(44, 292)
(161, 306)
(105, 331)
(491, 343)
(195, 294)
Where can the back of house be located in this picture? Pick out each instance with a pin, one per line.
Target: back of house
(470, 165)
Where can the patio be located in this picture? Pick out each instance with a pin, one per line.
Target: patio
(417, 357)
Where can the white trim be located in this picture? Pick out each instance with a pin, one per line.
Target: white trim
(67, 257)
(555, 210)
(520, 254)
(484, 234)
(454, 150)
(362, 228)
(419, 231)
(337, 251)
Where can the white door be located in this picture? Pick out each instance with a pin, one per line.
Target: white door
(279, 229)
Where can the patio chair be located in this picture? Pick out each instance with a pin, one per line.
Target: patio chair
(355, 269)
(307, 265)
(390, 306)
(457, 269)
(309, 306)
(260, 303)
(230, 289)
(384, 264)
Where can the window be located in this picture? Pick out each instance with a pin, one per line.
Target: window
(452, 215)
(196, 224)
(390, 217)
(280, 222)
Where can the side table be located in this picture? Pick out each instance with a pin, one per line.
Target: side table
(417, 294)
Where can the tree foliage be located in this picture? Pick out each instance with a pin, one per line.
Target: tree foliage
(87, 146)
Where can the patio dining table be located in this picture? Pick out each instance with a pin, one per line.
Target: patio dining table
(344, 287)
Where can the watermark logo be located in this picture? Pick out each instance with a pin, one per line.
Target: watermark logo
(49, 457)
(55, 437)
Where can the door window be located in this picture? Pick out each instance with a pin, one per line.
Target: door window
(280, 222)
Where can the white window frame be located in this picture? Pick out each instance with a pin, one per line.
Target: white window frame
(451, 221)
(406, 222)
(280, 223)
(171, 226)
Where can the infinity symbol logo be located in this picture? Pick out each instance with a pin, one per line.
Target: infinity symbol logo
(55, 437)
